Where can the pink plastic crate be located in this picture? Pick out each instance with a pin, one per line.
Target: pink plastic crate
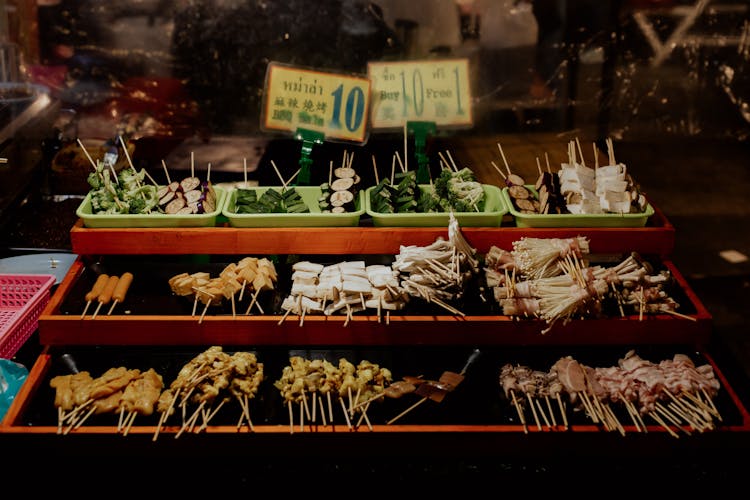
(23, 297)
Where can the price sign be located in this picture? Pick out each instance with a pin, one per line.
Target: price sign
(433, 91)
(333, 104)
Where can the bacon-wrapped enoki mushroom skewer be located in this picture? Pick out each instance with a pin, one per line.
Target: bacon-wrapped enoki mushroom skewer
(439, 272)
(538, 257)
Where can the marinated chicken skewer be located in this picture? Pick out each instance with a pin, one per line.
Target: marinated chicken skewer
(64, 396)
(248, 374)
(140, 397)
(209, 380)
(205, 387)
(74, 393)
(372, 380)
(111, 382)
(291, 385)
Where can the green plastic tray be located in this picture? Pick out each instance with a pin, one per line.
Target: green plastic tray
(492, 216)
(149, 220)
(576, 220)
(315, 218)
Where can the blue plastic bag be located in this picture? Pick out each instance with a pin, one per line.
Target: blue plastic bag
(12, 377)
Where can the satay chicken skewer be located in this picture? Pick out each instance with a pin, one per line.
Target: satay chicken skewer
(140, 396)
(248, 374)
(291, 384)
(76, 392)
(372, 379)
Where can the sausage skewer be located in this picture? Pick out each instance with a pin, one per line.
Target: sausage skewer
(121, 290)
(95, 291)
(106, 294)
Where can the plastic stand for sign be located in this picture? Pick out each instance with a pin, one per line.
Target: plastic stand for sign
(309, 138)
(421, 130)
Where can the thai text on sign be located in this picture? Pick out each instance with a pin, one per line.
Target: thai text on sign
(432, 90)
(335, 104)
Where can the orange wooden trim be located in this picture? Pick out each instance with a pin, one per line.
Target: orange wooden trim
(27, 390)
(365, 330)
(732, 394)
(650, 240)
(59, 329)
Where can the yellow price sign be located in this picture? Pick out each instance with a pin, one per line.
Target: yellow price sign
(334, 104)
(431, 90)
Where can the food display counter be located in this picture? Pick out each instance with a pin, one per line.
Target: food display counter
(154, 329)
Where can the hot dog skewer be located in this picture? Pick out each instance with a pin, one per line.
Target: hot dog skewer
(121, 290)
(95, 291)
(106, 294)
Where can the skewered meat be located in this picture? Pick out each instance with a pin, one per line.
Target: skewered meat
(399, 388)
(673, 389)
(570, 374)
(142, 393)
(80, 384)
(63, 392)
(112, 381)
(109, 403)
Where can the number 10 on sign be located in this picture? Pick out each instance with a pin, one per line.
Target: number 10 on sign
(434, 91)
(331, 103)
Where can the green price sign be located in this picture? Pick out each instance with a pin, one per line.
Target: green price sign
(336, 105)
(432, 91)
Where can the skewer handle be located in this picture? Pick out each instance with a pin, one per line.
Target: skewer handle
(474, 356)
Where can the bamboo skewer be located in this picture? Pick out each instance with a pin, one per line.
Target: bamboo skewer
(519, 410)
(419, 402)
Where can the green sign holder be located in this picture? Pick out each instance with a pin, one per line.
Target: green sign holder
(421, 130)
(309, 139)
